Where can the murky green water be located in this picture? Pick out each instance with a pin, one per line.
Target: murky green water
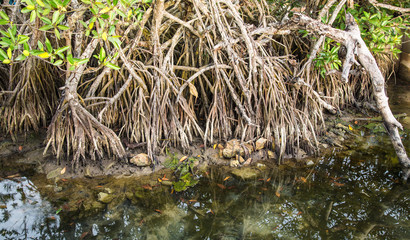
(346, 195)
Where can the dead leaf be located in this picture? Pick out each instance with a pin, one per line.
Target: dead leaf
(303, 179)
(338, 184)
(192, 200)
(3, 206)
(277, 194)
(210, 210)
(98, 186)
(147, 186)
(299, 213)
(159, 180)
(52, 218)
(158, 211)
(64, 180)
(267, 180)
(20, 148)
(192, 90)
(264, 189)
(165, 179)
(14, 175)
(63, 170)
(226, 178)
(221, 186)
(183, 159)
(83, 235)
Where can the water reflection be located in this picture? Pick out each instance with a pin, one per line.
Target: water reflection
(347, 195)
(24, 215)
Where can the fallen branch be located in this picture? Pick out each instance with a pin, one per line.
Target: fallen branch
(351, 38)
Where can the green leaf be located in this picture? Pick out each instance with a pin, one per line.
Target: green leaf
(33, 16)
(3, 21)
(62, 49)
(63, 27)
(56, 14)
(48, 45)
(3, 54)
(4, 15)
(82, 61)
(58, 62)
(46, 20)
(57, 33)
(115, 41)
(112, 66)
(70, 59)
(46, 27)
(26, 10)
(86, 1)
(22, 39)
(21, 57)
(40, 45)
(60, 18)
(102, 54)
(5, 33)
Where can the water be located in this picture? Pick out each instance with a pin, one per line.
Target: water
(347, 194)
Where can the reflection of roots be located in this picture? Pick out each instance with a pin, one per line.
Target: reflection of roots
(83, 135)
(31, 99)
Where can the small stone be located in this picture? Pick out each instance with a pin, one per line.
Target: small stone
(271, 155)
(141, 160)
(54, 174)
(104, 197)
(261, 165)
(228, 153)
(310, 163)
(260, 143)
(234, 163)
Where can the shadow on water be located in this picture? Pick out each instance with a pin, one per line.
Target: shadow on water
(346, 195)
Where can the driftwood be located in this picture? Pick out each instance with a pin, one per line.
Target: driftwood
(355, 45)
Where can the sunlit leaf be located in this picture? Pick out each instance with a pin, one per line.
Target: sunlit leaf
(44, 55)
(63, 170)
(113, 66)
(39, 2)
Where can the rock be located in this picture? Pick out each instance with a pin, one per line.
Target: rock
(234, 163)
(260, 143)
(228, 153)
(271, 155)
(261, 166)
(245, 173)
(310, 163)
(54, 174)
(105, 197)
(141, 160)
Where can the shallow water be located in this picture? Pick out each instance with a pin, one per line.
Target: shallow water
(347, 194)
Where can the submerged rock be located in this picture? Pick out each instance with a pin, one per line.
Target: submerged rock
(105, 197)
(141, 160)
(245, 172)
